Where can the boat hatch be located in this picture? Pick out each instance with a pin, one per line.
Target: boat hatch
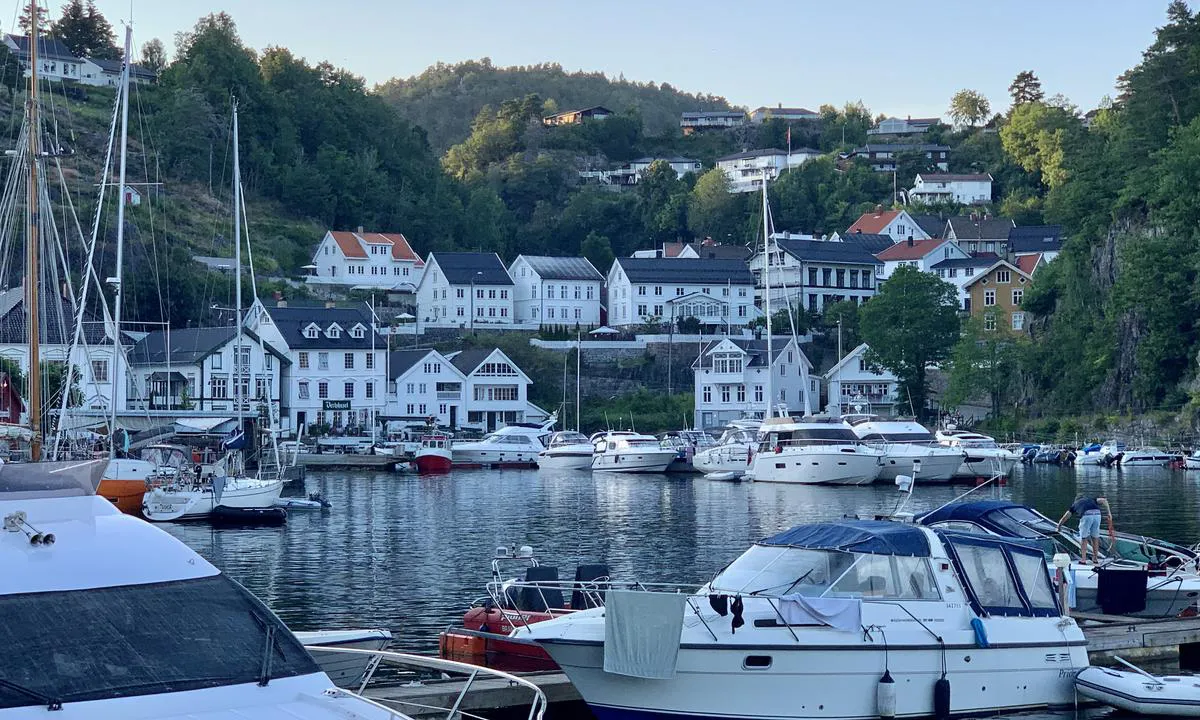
(1002, 577)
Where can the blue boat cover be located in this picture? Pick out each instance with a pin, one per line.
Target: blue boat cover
(878, 537)
(973, 511)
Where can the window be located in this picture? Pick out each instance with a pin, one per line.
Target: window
(550, 313)
(1017, 296)
(268, 360)
(1003, 276)
(841, 278)
(658, 289)
(459, 293)
(989, 298)
(358, 332)
(217, 360)
(302, 390)
(954, 272)
(989, 321)
(491, 294)
(322, 361)
(658, 310)
(349, 361)
(100, 370)
(479, 293)
(578, 313)
(725, 291)
(1018, 321)
(987, 572)
(590, 290)
(348, 390)
(503, 294)
(578, 292)
(708, 393)
(218, 388)
(741, 393)
(827, 277)
(724, 393)
(322, 390)
(641, 290)
(741, 292)
(334, 331)
(550, 292)
(370, 361)
(370, 389)
(678, 292)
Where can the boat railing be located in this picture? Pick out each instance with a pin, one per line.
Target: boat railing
(408, 671)
(808, 442)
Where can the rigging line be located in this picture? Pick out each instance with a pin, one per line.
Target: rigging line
(145, 133)
(249, 248)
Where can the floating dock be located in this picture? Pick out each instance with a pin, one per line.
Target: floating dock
(347, 460)
(1135, 639)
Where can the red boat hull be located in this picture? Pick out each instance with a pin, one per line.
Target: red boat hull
(483, 640)
(432, 463)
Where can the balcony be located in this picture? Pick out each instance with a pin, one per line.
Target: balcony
(449, 394)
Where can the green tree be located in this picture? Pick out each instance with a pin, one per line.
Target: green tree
(154, 56)
(598, 250)
(983, 362)
(711, 207)
(910, 323)
(845, 313)
(1025, 88)
(85, 30)
(1036, 136)
(11, 72)
(969, 108)
(23, 21)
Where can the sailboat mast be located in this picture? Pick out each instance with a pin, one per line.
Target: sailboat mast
(32, 272)
(578, 364)
(237, 283)
(116, 373)
(769, 397)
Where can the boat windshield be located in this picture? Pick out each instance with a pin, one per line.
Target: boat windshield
(976, 441)
(568, 438)
(811, 436)
(772, 570)
(900, 437)
(1021, 522)
(498, 439)
(102, 643)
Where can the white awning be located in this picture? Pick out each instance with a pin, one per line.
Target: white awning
(200, 424)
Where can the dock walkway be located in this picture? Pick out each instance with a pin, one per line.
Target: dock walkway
(433, 698)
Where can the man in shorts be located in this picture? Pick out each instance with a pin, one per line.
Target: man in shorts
(1089, 511)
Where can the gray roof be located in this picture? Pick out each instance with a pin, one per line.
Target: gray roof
(401, 361)
(747, 154)
(1035, 238)
(713, 113)
(692, 271)
(57, 316)
(672, 159)
(188, 346)
(873, 242)
(721, 252)
(899, 147)
(114, 66)
(48, 47)
(829, 252)
(966, 228)
(562, 268)
(933, 225)
(293, 319)
(955, 177)
(215, 263)
(467, 360)
(982, 260)
(756, 350)
(466, 268)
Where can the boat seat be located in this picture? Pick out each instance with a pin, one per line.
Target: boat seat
(590, 583)
(874, 586)
(541, 599)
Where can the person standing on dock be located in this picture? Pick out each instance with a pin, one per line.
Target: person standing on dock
(1089, 510)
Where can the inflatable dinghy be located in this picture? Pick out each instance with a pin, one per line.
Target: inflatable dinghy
(1140, 692)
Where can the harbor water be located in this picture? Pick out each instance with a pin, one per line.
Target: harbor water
(409, 553)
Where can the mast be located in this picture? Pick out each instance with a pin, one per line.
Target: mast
(578, 363)
(769, 397)
(32, 270)
(124, 90)
(237, 283)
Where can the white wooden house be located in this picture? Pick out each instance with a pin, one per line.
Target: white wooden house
(733, 378)
(465, 290)
(853, 385)
(555, 290)
(384, 261)
(717, 292)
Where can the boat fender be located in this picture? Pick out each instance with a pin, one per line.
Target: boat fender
(941, 698)
(885, 696)
(719, 603)
(981, 639)
(737, 608)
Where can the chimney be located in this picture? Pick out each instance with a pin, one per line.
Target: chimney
(329, 304)
(360, 229)
(658, 253)
(878, 209)
(910, 240)
(281, 303)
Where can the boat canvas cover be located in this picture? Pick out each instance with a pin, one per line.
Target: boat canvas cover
(72, 478)
(973, 511)
(877, 537)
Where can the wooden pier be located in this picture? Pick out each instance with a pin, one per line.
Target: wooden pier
(434, 698)
(323, 461)
(1141, 638)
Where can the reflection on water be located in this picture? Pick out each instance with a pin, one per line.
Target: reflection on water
(409, 553)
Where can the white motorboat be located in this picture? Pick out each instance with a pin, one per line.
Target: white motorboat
(1100, 454)
(514, 445)
(190, 498)
(1146, 457)
(685, 443)
(629, 452)
(566, 449)
(344, 669)
(1192, 462)
(82, 579)
(809, 452)
(1167, 572)
(851, 619)
(983, 456)
(908, 449)
(1140, 692)
(732, 450)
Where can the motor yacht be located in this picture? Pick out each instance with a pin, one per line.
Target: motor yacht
(983, 457)
(512, 446)
(629, 452)
(732, 451)
(686, 444)
(566, 449)
(1100, 454)
(811, 452)
(1172, 583)
(116, 619)
(815, 621)
(344, 669)
(908, 449)
(1147, 457)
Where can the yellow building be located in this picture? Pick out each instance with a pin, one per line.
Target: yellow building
(995, 295)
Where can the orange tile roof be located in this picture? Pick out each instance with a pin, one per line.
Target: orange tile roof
(903, 251)
(873, 223)
(349, 244)
(1029, 263)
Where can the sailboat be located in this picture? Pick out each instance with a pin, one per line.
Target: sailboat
(189, 495)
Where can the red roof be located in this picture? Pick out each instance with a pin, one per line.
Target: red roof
(903, 251)
(672, 249)
(1028, 263)
(873, 223)
(349, 244)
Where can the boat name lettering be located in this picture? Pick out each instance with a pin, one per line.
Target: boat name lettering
(335, 404)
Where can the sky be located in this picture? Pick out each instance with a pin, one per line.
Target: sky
(898, 59)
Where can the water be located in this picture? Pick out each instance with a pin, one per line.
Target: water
(409, 553)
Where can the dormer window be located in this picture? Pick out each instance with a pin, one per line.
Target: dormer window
(334, 331)
(312, 332)
(358, 332)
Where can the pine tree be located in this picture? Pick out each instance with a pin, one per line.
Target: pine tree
(1026, 88)
(84, 30)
